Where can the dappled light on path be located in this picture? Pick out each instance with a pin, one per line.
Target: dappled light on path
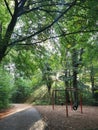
(56, 119)
(14, 109)
(39, 125)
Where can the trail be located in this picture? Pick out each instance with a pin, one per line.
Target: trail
(21, 117)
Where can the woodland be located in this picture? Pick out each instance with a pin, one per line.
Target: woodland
(46, 45)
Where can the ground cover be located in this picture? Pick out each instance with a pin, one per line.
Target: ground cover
(56, 119)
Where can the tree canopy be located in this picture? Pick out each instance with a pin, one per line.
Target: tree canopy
(28, 22)
(47, 38)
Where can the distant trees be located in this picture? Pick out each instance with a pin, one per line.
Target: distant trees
(21, 91)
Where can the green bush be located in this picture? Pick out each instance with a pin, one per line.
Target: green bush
(87, 97)
(21, 91)
(96, 95)
(6, 85)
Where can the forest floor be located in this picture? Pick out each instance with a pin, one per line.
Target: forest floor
(56, 119)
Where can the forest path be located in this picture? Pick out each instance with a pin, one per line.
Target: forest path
(21, 117)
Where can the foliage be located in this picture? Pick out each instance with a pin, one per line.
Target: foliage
(96, 95)
(42, 42)
(21, 91)
(30, 21)
(39, 96)
(37, 81)
(4, 17)
(6, 86)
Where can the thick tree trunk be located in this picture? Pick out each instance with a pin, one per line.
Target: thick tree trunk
(76, 61)
(75, 67)
(67, 85)
(4, 43)
(75, 85)
(2, 52)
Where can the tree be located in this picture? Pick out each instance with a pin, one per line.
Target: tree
(70, 23)
(32, 17)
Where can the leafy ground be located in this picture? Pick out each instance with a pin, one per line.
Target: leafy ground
(56, 119)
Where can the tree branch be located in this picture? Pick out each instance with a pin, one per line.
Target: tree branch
(8, 8)
(21, 3)
(9, 31)
(27, 10)
(54, 37)
(48, 26)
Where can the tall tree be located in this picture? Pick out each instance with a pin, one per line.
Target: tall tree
(33, 17)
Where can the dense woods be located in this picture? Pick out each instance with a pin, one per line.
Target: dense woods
(48, 44)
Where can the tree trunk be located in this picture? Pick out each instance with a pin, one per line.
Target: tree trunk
(75, 67)
(67, 85)
(4, 43)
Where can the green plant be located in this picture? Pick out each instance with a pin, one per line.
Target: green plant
(96, 95)
(6, 86)
(21, 91)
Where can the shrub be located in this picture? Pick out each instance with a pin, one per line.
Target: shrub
(21, 91)
(96, 95)
(5, 88)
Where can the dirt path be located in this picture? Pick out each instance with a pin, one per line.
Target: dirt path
(13, 109)
(21, 117)
(56, 119)
(26, 117)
